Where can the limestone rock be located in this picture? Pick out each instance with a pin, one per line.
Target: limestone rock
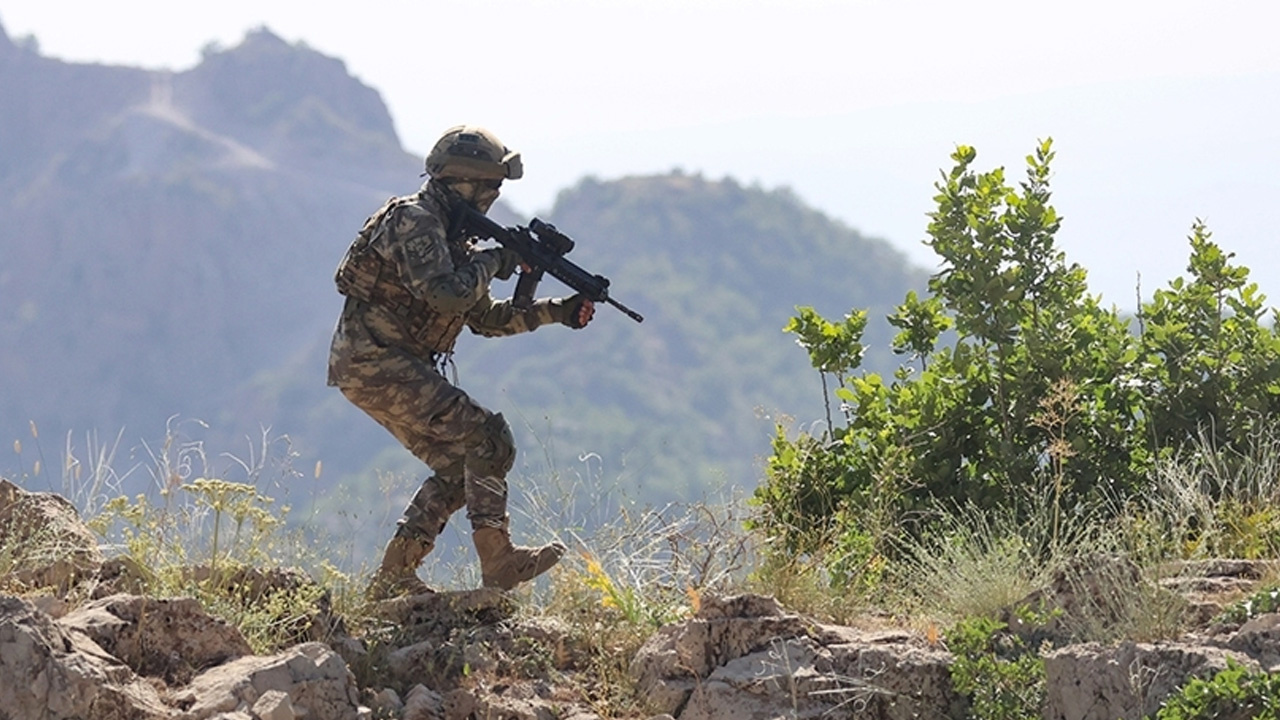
(434, 664)
(424, 703)
(44, 540)
(317, 681)
(744, 658)
(387, 702)
(739, 606)
(54, 674)
(462, 704)
(1090, 681)
(1258, 638)
(441, 637)
(1210, 586)
(172, 639)
(273, 705)
(1089, 593)
(121, 575)
(1232, 568)
(426, 613)
(51, 605)
(553, 635)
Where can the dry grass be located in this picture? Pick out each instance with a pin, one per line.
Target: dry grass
(629, 570)
(804, 585)
(632, 569)
(974, 564)
(1210, 503)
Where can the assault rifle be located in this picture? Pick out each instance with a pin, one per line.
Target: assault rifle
(543, 249)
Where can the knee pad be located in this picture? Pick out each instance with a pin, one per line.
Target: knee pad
(491, 449)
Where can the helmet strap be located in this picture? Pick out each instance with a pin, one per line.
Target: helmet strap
(457, 218)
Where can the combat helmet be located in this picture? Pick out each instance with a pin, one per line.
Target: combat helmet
(468, 152)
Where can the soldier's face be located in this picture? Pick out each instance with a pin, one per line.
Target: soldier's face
(481, 194)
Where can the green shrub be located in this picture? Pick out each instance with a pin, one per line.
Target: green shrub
(1003, 678)
(1039, 391)
(1233, 694)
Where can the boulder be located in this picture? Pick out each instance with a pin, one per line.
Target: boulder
(420, 704)
(315, 679)
(43, 542)
(743, 657)
(437, 639)
(171, 639)
(273, 705)
(427, 614)
(1088, 598)
(52, 673)
(249, 585)
(1211, 586)
(1259, 639)
(514, 650)
(1128, 681)
(463, 704)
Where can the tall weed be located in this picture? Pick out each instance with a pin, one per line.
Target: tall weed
(206, 527)
(979, 563)
(1211, 502)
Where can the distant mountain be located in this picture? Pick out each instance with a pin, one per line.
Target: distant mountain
(168, 235)
(169, 239)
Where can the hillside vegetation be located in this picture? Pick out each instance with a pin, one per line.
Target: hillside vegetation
(1045, 402)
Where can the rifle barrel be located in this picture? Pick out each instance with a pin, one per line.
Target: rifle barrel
(626, 310)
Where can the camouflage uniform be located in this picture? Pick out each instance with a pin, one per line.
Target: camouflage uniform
(410, 291)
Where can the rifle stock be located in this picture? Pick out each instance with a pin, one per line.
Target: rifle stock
(543, 249)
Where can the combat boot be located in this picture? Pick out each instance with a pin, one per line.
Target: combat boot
(398, 574)
(503, 565)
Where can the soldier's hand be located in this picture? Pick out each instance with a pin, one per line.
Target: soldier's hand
(508, 261)
(577, 311)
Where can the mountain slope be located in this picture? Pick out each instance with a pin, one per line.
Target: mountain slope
(156, 251)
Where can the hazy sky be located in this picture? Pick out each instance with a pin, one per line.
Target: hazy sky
(1161, 111)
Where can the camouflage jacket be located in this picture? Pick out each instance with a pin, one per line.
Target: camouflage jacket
(411, 290)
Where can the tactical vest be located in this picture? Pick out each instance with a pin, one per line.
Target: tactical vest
(364, 274)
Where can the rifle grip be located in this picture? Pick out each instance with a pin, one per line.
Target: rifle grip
(526, 286)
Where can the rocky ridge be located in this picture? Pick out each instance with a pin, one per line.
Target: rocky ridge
(461, 655)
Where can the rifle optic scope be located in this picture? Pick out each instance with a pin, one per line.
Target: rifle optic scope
(554, 240)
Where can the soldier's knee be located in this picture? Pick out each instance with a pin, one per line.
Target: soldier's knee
(491, 449)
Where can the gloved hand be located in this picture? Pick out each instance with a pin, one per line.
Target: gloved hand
(575, 311)
(508, 261)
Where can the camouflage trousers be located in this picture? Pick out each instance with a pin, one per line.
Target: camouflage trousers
(469, 449)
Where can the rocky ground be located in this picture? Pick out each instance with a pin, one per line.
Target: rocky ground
(464, 655)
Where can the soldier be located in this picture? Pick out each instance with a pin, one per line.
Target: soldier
(411, 284)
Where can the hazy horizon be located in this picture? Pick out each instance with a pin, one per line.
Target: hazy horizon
(1160, 115)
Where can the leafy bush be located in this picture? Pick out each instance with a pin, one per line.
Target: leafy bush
(1039, 392)
(1233, 694)
(1003, 678)
(1261, 602)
